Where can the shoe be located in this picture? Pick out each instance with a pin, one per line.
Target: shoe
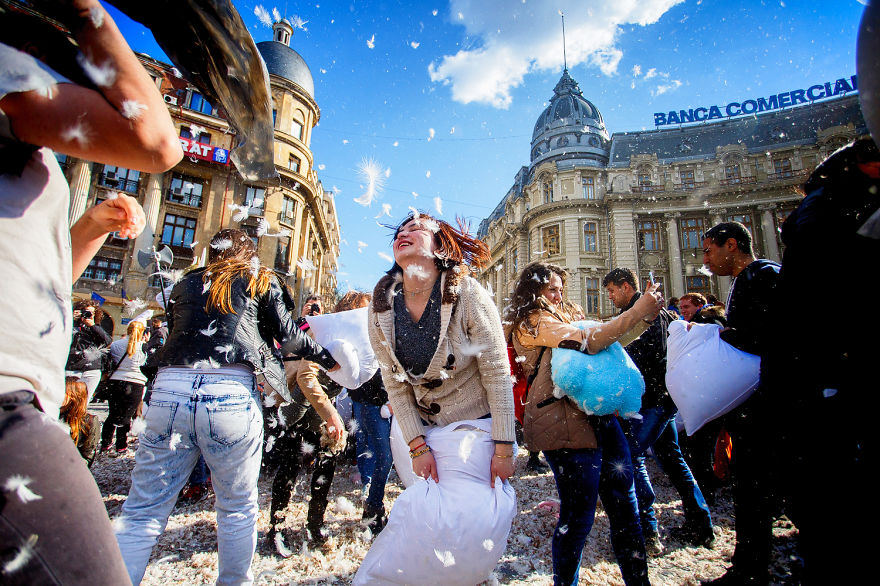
(193, 493)
(375, 520)
(277, 542)
(653, 545)
(316, 537)
(697, 537)
(121, 451)
(536, 465)
(105, 449)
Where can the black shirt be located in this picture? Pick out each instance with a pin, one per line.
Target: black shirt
(416, 343)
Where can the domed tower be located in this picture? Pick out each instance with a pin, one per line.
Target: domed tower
(301, 205)
(570, 128)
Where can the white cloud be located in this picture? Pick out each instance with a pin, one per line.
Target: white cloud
(507, 42)
(662, 88)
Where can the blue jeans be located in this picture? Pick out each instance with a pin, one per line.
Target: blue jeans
(582, 476)
(657, 430)
(192, 412)
(373, 452)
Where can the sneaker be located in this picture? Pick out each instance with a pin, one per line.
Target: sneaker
(375, 520)
(653, 545)
(105, 449)
(536, 465)
(121, 451)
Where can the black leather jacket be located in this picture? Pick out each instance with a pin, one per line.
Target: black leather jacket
(244, 337)
(85, 348)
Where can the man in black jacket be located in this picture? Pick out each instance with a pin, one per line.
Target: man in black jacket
(656, 428)
(751, 308)
(88, 346)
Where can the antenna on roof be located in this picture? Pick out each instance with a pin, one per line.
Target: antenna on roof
(564, 58)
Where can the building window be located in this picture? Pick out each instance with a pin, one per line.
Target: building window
(203, 137)
(744, 219)
(274, 116)
(645, 180)
(288, 210)
(732, 174)
(120, 178)
(550, 240)
(591, 296)
(293, 164)
(782, 167)
(103, 269)
(687, 179)
(514, 261)
(692, 230)
(547, 191)
(649, 235)
(589, 190)
(186, 190)
(255, 197)
(282, 250)
(200, 104)
(159, 281)
(591, 239)
(251, 231)
(296, 129)
(178, 230)
(699, 285)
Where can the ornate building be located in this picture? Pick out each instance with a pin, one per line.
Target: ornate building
(642, 200)
(292, 220)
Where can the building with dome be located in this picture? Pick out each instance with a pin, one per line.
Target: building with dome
(292, 221)
(590, 202)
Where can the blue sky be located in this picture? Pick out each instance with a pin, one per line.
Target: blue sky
(477, 73)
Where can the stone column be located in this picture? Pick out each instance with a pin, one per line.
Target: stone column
(80, 181)
(676, 279)
(768, 228)
(723, 282)
(137, 278)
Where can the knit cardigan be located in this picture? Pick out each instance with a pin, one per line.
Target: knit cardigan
(468, 376)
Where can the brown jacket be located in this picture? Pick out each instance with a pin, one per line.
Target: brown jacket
(459, 384)
(560, 424)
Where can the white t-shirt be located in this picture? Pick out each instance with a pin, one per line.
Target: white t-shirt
(130, 368)
(35, 253)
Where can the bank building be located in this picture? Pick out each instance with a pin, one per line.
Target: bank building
(292, 222)
(590, 201)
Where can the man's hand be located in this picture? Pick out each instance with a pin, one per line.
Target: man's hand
(335, 427)
(650, 303)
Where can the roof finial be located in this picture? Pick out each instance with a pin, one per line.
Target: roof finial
(564, 58)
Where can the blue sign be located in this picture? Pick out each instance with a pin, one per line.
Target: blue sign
(98, 298)
(220, 155)
(756, 105)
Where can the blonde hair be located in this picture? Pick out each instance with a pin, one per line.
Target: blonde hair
(135, 336)
(233, 256)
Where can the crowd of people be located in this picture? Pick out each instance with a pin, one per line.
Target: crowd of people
(235, 378)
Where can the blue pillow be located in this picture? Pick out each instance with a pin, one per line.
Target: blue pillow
(601, 384)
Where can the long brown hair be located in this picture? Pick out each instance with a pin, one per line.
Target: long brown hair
(352, 300)
(454, 246)
(135, 333)
(526, 297)
(76, 403)
(233, 255)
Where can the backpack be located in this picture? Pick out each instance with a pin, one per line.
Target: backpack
(521, 383)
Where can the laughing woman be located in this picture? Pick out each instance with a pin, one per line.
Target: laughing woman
(438, 339)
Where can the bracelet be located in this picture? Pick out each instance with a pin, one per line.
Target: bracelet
(421, 452)
(502, 456)
(411, 450)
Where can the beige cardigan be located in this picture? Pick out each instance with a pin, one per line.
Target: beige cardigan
(468, 387)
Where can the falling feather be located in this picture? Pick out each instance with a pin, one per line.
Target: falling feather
(488, 544)
(307, 449)
(416, 271)
(119, 524)
(209, 363)
(132, 109)
(471, 349)
(371, 42)
(414, 194)
(101, 75)
(275, 14)
(132, 306)
(19, 485)
(431, 133)
(270, 443)
(428, 174)
(223, 244)
(206, 287)
(305, 264)
(386, 210)
(255, 266)
(79, 132)
(361, 245)
(466, 446)
(280, 546)
(96, 14)
(262, 227)
(446, 558)
(414, 44)
(263, 15)
(225, 349)
(438, 205)
(298, 22)
(170, 275)
(210, 330)
(174, 441)
(22, 556)
(704, 270)
(241, 212)
(372, 174)
(385, 256)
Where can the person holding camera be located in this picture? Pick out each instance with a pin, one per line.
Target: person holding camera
(86, 358)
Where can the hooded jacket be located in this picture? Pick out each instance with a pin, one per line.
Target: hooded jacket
(246, 336)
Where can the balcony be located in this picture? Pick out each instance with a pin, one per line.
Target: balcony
(648, 188)
(286, 217)
(193, 200)
(113, 181)
(786, 175)
(692, 185)
(738, 181)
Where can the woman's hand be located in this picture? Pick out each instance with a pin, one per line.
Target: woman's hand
(123, 214)
(650, 303)
(425, 466)
(503, 463)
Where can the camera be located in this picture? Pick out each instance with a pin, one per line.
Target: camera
(314, 309)
(87, 314)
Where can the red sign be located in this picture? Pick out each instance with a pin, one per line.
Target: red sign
(205, 152)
